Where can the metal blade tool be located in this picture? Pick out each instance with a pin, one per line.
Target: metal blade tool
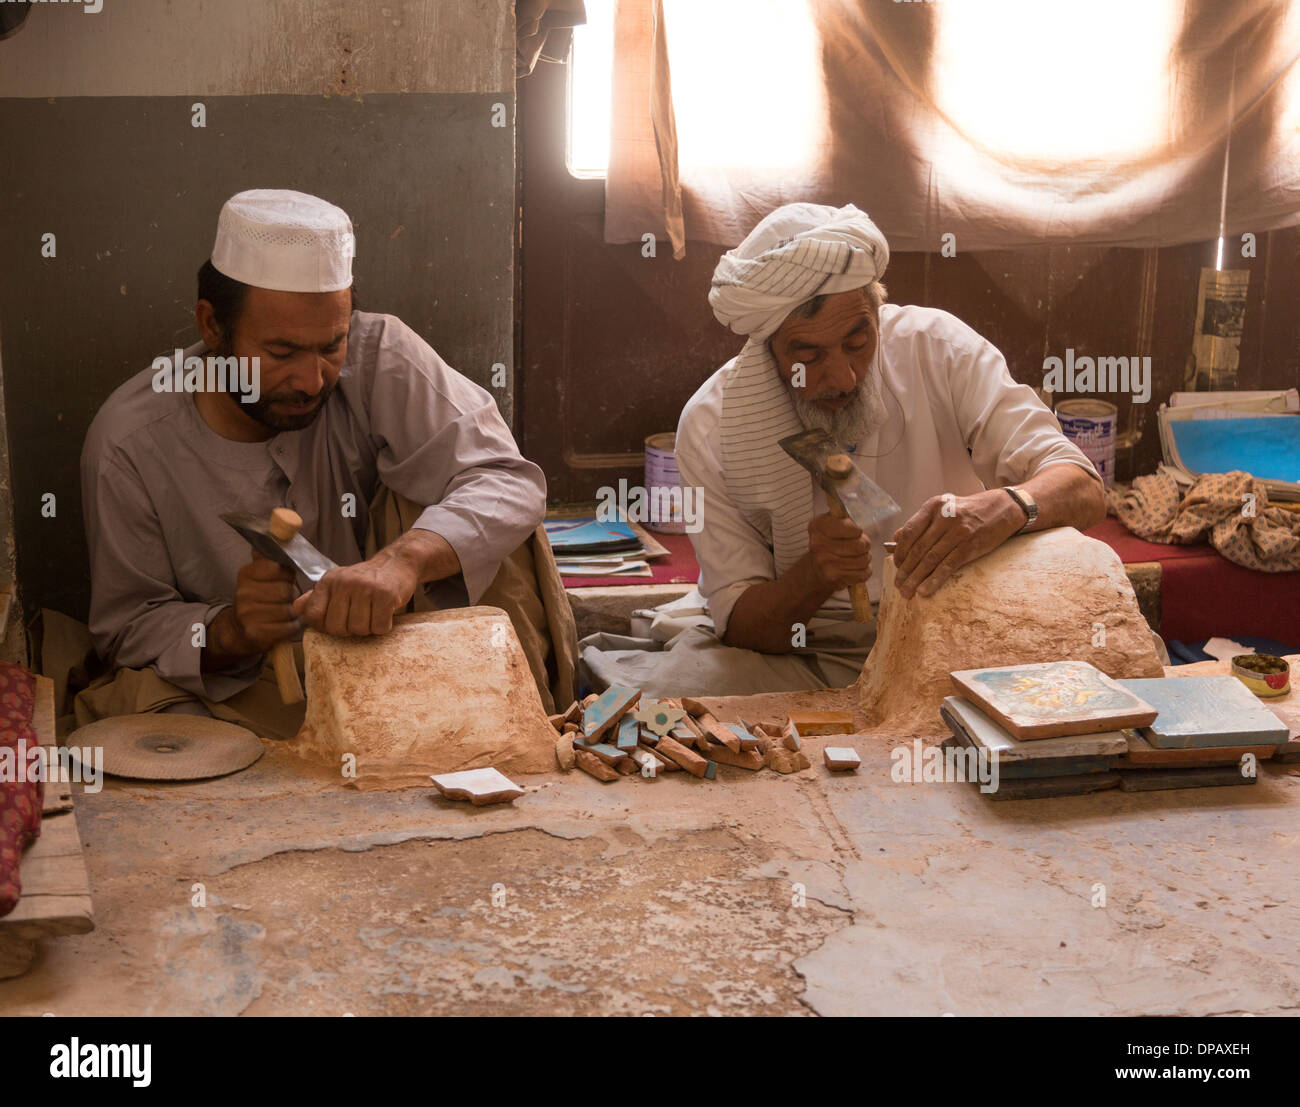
(277, 538)
(850, 493)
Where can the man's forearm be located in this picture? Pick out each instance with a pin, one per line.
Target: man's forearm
(764, 617)
(423, 552)
(1066, 496)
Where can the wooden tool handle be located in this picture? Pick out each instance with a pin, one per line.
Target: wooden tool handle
(861, 603)
(839, 467)
(286, 673)
(284, 524)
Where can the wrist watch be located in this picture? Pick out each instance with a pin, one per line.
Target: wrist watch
(1026, 504)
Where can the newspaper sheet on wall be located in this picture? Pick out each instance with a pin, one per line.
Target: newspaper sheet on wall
(1216, 343)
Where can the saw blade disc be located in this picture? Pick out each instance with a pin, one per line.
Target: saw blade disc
(157, 746)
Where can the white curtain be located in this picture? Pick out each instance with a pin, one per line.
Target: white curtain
(1002, 123)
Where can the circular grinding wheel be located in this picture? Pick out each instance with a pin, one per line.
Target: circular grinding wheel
(157, 746)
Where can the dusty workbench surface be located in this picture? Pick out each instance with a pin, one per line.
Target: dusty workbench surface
(754, 894)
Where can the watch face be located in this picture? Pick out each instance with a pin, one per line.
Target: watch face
(1027, 505)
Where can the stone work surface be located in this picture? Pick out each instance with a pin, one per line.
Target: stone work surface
(1042, 597)
(444, 691)
(756, 893)
(276, 892)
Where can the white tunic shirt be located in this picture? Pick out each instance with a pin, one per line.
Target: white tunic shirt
(957, 423)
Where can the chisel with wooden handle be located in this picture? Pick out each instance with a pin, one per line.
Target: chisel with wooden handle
(850, 494)
(277, 538)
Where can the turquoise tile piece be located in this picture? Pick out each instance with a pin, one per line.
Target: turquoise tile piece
(628, 731)
(609, 706)
(1201, 711)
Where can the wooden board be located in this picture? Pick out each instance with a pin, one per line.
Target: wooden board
(56, 890)
(1201, 711)
(1158, 780)
(1047, 787)
(58, 794)
(1053, 699)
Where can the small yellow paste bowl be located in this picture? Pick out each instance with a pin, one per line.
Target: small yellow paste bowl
(1262, 673)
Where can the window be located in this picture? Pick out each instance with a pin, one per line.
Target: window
(591, 68)
(747, 86)
(748, 90)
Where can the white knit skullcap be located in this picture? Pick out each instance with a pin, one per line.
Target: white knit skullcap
(799, 251)
(289, 241)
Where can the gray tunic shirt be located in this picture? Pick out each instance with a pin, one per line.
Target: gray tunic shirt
(156, 478)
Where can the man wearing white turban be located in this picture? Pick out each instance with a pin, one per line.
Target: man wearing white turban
(925, 406)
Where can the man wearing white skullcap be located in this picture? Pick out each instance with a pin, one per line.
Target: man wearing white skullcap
(926, 407)
(344, 406)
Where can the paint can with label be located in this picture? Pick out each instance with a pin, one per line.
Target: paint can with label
(1091, 425)
(663, 484)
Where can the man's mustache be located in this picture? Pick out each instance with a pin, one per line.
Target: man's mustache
(295, 397)
(835, 394)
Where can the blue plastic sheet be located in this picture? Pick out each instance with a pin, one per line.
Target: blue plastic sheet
(1268, 448)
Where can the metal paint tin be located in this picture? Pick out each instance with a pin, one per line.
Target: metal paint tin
(1271, 677)
(661, 473)
(1091, 425)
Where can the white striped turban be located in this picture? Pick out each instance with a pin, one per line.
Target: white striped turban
(798, 252)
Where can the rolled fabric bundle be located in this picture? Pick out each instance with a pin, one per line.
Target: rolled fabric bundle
(21, 798)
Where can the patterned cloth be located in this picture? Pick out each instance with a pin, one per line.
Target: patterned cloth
(20, 800)
(1229, 510)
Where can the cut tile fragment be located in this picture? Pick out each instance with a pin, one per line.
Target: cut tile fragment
(629, 731)
(564, 752)
(689, 760)
(592, 765)
(841, 759)
(665, 765)
(479, 786)
(609, 707)
(659, 717)
(741, 759)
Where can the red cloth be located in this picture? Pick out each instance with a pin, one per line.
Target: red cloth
(1132, 548)
(20, 799)
(679, 567)
(1203, 595)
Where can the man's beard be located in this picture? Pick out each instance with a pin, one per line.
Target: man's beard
(861, 417)
(260, 409)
